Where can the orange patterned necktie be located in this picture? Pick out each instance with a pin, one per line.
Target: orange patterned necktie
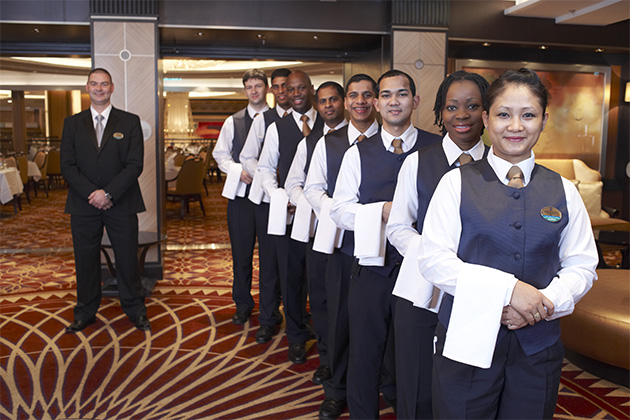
(464, 158)
(306, 130)
(397, 143)
(515, 175)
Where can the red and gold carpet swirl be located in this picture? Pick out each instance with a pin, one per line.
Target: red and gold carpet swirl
(193, 364)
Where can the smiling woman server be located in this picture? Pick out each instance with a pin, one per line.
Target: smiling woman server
(510, 244)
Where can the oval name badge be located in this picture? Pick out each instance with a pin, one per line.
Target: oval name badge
(119, 136)
(551, 214)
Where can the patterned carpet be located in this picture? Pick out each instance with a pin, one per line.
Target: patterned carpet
(194, 364)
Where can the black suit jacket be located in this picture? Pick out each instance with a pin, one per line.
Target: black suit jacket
(113, 167)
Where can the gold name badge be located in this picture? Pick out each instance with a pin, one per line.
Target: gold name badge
(551, 214)
(119, 136)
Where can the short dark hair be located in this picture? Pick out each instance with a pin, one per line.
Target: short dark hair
(280, 73)
(359, 77)
(394, 73)
(522, 76)
(255, 74)
(335, 85)
(440, 97)
(100, 70)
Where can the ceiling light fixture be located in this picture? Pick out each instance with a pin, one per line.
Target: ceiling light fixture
(543, 47)
(486, 44)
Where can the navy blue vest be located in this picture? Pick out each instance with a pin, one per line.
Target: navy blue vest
(379, 174)
(311, 142)
(432, 165)
(242, 123)
(289, 136)
(502, 228)
(270, 116)
(336, 146)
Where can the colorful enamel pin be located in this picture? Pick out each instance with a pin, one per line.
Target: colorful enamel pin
(551, 214)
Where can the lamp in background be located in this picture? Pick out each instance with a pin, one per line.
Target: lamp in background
(627, 91)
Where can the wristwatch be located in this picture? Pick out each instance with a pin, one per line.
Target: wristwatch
(109, 197)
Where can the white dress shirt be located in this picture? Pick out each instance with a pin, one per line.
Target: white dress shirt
(268, 161)
(222, 152)
(346, 196)
(440, 265)
(297, 176)
(251, 149)
(316, 186)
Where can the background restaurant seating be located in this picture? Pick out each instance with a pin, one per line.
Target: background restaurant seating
(41, 159)
(54, 168)
(22, 165)
(188, 185)
(589, 183)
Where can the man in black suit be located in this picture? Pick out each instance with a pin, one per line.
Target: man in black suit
(102, 155)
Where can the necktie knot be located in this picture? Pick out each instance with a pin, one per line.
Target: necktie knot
(256, 114)
(515, 177)
(285, 114)
(306, 130)
(99, 128)
(397, 143)
(464, 158)
(360, 138)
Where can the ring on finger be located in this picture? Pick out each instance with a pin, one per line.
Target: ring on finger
(537, 316)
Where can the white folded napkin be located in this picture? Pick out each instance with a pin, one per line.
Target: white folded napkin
(475, 317)
(304, 221)
(279, 217)
(328, 236)
(233, 185)
(412, 285)
(256, 191)
(170, 161)
(369, 235)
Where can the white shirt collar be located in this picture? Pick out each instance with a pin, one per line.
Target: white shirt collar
(105, 114)
(281, 111)
(501, 167)
(452, 151)
(340, 125)
(354, 132)
(252, 112)
(408, 137)
(311, 117)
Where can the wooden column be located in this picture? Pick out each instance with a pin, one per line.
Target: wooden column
(19, 121)
(422, 55)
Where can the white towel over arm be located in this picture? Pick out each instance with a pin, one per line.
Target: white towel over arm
(328, 236)
(233, 185)
(369, 234)
(278, 214)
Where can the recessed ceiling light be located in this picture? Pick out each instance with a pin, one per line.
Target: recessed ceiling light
(486, 44)
(36, 30)
(315, 37)
(599, 50)
(543, 47)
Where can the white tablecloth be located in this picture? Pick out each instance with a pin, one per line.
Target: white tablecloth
(33, 171)
(10, 184)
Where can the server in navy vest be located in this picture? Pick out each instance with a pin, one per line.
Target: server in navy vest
(102, 155)
(319, 188)
(281, 141)
(458, 108)
(268, 278)
(361, 203)
(240, 211)
(491, 240)
(329, 96)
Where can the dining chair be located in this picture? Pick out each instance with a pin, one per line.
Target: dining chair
(41, 159)
(54, 168)
(188, 185)
(22, 166)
